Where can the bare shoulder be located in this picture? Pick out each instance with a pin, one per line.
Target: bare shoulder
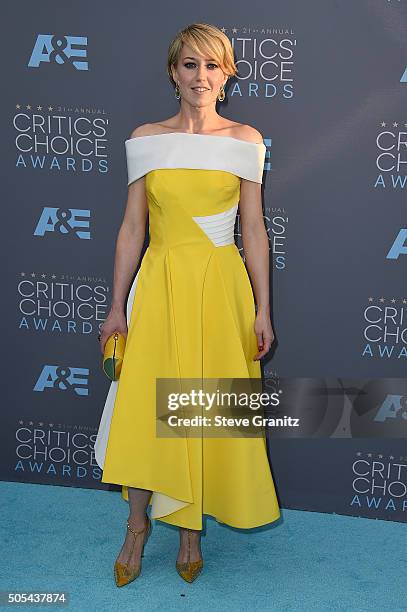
(142, 130)
(247, 132)
(150, 129)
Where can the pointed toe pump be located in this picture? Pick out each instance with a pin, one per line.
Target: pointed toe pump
(122, 573)
(190, 569)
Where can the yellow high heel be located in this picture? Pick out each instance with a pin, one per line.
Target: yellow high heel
(190, 569)
(122, 573)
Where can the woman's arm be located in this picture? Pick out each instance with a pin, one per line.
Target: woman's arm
(129, 244)
(255, 241)
(256, 249)
(254, 235)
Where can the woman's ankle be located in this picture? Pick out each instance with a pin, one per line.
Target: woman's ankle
(137, 522)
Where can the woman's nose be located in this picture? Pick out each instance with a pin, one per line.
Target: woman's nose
(201, 72)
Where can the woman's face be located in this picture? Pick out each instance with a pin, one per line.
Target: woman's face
(200, 78)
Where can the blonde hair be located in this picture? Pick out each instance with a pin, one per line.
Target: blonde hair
(203, 38)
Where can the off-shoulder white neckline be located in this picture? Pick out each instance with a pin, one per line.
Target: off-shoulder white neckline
(256, 144)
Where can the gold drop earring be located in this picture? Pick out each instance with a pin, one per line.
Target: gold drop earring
(177, 91)
(221, 95)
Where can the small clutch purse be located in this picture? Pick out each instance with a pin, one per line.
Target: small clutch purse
(113, 354)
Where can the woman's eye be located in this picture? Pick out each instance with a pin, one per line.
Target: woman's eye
(188, 64)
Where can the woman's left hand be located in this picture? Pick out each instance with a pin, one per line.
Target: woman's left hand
(264, 333)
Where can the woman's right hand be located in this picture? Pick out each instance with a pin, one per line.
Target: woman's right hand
(115, 321)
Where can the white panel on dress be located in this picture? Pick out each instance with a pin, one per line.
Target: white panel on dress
(104, 426)
(161, 504)
(201, 151)
(219, 227)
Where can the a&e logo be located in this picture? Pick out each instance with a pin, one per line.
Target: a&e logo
(64, 221)
(399, 246)
(64, 379)
(50, 48)
(393, 406)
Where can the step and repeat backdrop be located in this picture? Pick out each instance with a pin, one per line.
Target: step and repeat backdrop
(326, 84)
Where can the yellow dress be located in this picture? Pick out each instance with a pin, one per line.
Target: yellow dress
(190, 313)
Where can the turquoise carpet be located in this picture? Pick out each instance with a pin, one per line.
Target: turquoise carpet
(57, 538)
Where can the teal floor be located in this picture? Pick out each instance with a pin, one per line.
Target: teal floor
(57, 538)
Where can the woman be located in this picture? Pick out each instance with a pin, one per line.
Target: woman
(193, 312)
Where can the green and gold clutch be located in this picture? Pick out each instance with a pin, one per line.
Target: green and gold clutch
(113, 354)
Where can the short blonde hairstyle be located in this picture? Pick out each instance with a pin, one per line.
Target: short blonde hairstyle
(204, 39)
